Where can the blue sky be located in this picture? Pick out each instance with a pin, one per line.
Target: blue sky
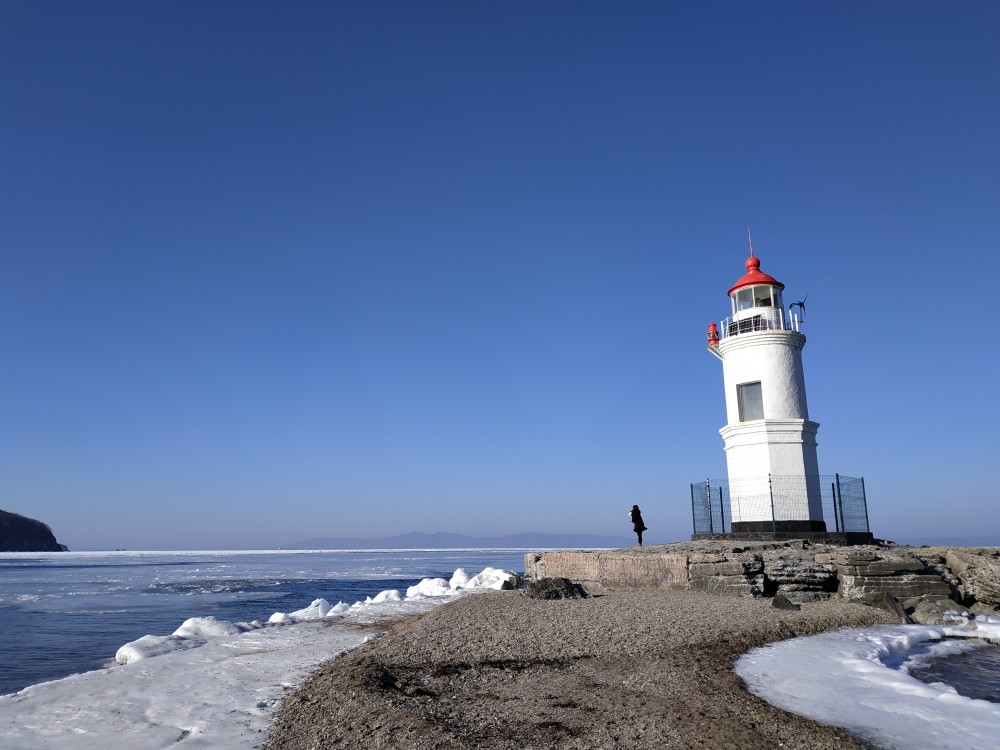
(273, 271)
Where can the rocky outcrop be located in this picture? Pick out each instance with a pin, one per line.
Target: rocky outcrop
(22, 534)
(921, 582)
(738, 574)
(869, 574)
(978, 572)
(798, 577)
(555, 588)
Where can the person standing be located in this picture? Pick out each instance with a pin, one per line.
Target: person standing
(636, 515)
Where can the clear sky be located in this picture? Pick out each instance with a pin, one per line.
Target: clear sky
(273, 271)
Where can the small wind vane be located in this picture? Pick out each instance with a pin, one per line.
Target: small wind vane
(801, 304)
(750, 240)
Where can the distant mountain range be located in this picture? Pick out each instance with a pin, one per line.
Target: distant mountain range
(443, 540)
(982, 540)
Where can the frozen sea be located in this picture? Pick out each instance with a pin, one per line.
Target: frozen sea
(207, 643)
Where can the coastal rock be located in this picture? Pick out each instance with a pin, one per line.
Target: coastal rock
(555, 588)
(978, 570)
(901, 587)
(868, 575)
(854, 557)
(936, 563)
(890, 604)
(882, 567)
(780, 601)
(799, 576)
(934, 611)
(728, 568)
(752, 586)
(735, 575)
(22, 534)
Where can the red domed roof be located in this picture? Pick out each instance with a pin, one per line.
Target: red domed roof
(755, 276)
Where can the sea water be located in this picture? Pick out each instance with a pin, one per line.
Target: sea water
(974, 673)
(63, 613)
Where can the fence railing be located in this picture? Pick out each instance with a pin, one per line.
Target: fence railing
(778, 500)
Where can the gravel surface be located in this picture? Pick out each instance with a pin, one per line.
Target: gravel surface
(626, 669)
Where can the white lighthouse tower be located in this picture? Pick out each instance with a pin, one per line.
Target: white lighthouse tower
(770, 442)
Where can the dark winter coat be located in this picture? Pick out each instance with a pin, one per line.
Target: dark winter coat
(636, 516)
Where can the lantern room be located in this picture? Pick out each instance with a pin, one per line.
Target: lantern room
(756, 302)
(755, 289)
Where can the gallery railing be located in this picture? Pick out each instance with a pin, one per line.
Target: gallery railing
(760, 319)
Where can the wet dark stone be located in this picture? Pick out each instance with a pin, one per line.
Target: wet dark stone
(555, 588)
(890, 604)
(783, 602)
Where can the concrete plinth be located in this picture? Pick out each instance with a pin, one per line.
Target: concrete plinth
(616, 568)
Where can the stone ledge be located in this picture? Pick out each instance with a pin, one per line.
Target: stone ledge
(752, 586)
(901, 587)
(730, 568)
(882, 568)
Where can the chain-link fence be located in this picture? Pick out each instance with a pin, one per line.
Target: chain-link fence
(831, 503)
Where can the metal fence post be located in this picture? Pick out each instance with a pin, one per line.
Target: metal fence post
(864, 501)
(708, 501)
(694, 516)
(840, 497)
(770, 491)
(836, 519)
(722, 512)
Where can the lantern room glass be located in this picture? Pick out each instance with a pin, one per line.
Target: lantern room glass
(762, 295)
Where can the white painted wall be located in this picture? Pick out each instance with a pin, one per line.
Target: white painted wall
(784, 442)
(785, 448)
(775, 359)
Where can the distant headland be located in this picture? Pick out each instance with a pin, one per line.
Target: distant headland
(22, 534)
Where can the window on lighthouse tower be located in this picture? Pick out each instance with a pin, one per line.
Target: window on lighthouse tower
(750, 401)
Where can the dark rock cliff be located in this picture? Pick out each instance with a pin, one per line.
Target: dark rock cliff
(21, 534)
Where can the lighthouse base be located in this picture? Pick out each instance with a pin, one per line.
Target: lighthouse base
(794, 527)
(818, 537)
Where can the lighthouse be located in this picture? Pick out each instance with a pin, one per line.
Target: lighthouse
(770, 441)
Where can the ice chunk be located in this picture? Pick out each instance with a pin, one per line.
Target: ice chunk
(314, 611)
(493, 578)
(338, 609)
(429, 587)
(156, 645)
(207, 626)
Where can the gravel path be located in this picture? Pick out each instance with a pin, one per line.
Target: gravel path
(624, 670)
